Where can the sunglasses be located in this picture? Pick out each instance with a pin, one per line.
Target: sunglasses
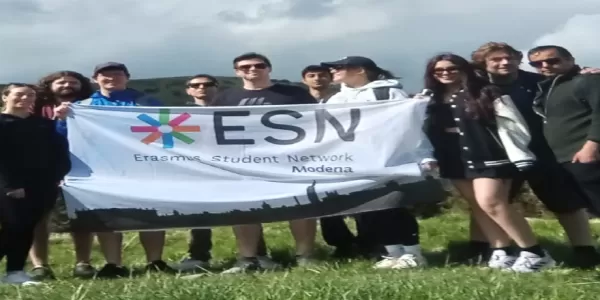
(202, 84)
(260, 66)
(451, 70)
(540, 63)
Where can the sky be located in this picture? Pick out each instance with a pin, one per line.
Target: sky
(164, 38)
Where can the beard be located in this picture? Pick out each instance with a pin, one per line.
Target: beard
(66, 93)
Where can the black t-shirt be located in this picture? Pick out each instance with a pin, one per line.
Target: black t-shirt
(277, 94)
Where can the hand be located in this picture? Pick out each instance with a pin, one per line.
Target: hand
(429, 166)
(588, 70)
(60, 112)
(588, 153)
(18, 193)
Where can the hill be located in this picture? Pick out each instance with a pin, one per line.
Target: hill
(171, 90)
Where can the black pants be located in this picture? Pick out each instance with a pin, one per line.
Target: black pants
(201, 244)
(377, 228)
(587, 176)
(18, 219)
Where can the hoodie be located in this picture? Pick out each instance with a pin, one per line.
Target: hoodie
(366, 94)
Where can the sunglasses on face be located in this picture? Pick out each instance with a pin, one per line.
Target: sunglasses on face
(260, 66)
(451, 70)
(201, 84)
(540, 63)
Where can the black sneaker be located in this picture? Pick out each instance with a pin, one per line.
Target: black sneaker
(84, 271)
(243, 265)
(113, 271)
(159, 266)
(42, 273)
(585, 258)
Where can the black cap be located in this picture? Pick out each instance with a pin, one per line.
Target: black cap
(112, 66)
(352, 61)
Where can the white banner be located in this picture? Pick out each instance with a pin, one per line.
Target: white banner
(137, 168)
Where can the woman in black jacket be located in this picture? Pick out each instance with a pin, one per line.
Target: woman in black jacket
(481, 141)
(34, 158)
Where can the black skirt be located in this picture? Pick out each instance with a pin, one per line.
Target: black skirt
(452, 166)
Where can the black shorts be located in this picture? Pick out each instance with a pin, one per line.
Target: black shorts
(459, 171)
(553, 186)
(587, 178)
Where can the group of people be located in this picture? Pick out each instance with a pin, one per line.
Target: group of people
(491, 125)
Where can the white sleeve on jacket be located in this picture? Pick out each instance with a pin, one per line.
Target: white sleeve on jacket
(398, 94)
(513, 132)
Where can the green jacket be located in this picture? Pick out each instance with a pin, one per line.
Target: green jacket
(570, 106)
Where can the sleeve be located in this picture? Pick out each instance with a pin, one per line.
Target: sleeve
(592, 96)
(513, 133)
(425, 147)
(61, 154)
(398, 94)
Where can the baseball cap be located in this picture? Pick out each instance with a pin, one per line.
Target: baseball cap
(110, 65)
(352, 61)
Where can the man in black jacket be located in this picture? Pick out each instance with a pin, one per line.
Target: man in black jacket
(499, 63)
(570, 105)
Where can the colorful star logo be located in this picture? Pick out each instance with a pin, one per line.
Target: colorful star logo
(166, 128)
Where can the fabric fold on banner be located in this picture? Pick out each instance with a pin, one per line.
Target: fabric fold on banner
(142, 168)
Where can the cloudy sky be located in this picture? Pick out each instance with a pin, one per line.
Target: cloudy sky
(160, 38)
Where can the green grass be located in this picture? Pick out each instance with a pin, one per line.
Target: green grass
(331, 280)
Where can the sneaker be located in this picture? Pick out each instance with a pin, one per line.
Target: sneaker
(189, 264)
(266, 263)
(42, 273)
(113, 271)
(84, 271)
(244, 265)
(586, 260)
(386, 263)
(501, 260)
(159, 266)
(410, 261)
(19, 278)
(529, 262)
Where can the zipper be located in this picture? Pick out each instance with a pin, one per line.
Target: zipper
(548, 95)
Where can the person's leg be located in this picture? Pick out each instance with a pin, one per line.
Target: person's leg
(83, 242)
(499, 241)
(198, 251)
(304, 232)
(247, 238)
(336, 233)
(111, 244)
(492, 196)
(38, 254)
(153, 243)
(366, 234)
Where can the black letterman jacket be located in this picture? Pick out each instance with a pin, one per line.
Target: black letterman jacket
(486, 144)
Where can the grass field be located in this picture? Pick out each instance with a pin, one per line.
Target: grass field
(331, 280)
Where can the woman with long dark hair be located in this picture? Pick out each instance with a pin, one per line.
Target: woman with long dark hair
(396, 230)
(34, 158)
(480, 142)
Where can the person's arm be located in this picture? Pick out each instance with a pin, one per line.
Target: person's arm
(62, 156)
(589, 91)
(513, 133)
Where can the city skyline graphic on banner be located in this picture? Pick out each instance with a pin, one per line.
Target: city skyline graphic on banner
(166, 128)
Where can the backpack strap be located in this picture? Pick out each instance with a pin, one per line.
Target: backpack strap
(382, 93)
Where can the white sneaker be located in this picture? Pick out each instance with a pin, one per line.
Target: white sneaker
(529, 262)
(20, 278)
(500, 260)
(410, 261)
(386, 263)
(189, 264)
